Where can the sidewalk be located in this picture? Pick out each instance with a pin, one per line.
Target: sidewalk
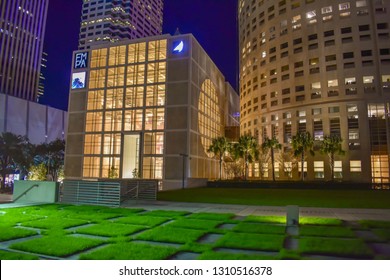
(346, 214)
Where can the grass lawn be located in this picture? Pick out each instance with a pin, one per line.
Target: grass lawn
(383, 233)
(211, 216)
(130, 251)
(251, 241)
(142, 220)
(171, 234)
(266, 219)
(375, 224)
(7, 233)
(60, 246)
(167, 214)
(110, 229)
(333, 246)
(259, 228)
(211, 255)
(195, 224)
(53, 222)
(327, 231)
(282, 197)
(320, 221)
(5, 255)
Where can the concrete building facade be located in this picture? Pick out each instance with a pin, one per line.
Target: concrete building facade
(147, 108)
(105, 21)
(321, 67)
(22, 31)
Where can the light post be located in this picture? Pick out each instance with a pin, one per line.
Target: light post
(185, 156)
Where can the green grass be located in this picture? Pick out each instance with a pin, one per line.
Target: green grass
(266, 219)
(282, 197)
(383, 233)
(130, 251)
(7, 233)
(333, 246)
(259, 228)
(195, 224)
(171, 235)
(5, 255)
(211, 255)
(326, 231)
(164, 213)
(320, 221)
(211, 216)
(375, 224)
(142, 220)
(59, 246)
(53, 222)
(251, 241)
(110, 229)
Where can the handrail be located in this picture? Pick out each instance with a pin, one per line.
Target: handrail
(26, 191)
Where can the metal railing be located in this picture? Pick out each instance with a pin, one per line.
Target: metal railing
(93, 193)
(139, 190)
(25, 192)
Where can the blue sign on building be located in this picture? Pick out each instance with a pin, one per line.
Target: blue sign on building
(81, 60)
(178, 47)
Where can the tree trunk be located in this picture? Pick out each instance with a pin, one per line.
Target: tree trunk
(302, 166)
(332, 166)
(246, 168)
(3, 174)
(220, 168)
(272, 163)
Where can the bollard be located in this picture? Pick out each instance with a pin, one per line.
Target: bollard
(292, 215)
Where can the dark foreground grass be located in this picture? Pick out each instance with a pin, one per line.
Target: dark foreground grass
(282, 197)
(59, 246)
(7, 233)
(251, 241)
(171, 235)
(195, 224)
(130, 251)
(53, 222)
(328, 231)
(142, 220)
(5, 255)
(211, 255)
(260, 228)
(109, 229)
(375, 224)
(336, 247)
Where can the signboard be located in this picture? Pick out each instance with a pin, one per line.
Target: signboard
(78, 80)
(81, 60)
(178, 47)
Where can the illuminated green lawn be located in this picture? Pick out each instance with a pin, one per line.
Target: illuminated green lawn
(101, 233)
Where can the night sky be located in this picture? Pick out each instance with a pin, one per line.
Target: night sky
(212, 22)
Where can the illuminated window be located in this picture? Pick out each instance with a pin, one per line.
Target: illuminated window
(110, 167)
(319, 169)
(99, 58)
(157, 50)
(333, 83)
(338, 169)
(344, 6)
(116, 76)
(113, 121)
(91, 167)
(355, 166)
(95, 100)
(154, 143)
(94, 122)
(154, 118)
(209, 115)
(361, 3)
(133, 120)
(300, 168)
(156, 73)
(97, 78)
(368, 79)
(134, 97)
(117, 56)
(112, 144)
(114, 98)
(155, 95)
(137, 53)
(152, 167)
(326, 10)
(135, 74)
(311, 14)
(92, 144)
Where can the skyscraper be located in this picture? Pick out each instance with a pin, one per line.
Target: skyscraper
(22, 30)
(321, 67)
(113, 20)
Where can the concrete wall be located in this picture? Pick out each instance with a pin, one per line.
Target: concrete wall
(38, 122)
(46, 192)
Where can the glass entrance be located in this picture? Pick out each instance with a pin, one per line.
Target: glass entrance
(131, 150)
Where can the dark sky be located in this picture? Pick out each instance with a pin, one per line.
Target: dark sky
(213, 23)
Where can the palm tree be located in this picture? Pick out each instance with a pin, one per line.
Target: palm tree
(219, 147)
(248, 149)
(52, 155)
(301, 143)
(11, 153)
(331, 145)
(271, 145)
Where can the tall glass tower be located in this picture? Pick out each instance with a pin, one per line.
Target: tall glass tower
(105, 21)
(321, 67)
(22, 30)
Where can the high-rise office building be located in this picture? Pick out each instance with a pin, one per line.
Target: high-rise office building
(22, 30)
(321, 67)
(42, 76)
(105, 21)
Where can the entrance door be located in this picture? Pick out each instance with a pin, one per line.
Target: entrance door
(131, 151)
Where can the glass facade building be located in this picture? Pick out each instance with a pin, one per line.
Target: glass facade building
(321, 67)
(138, 107)
(105, 21)
(22, 31)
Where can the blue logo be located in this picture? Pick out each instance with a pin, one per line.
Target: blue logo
(81, 60)
(178, 47)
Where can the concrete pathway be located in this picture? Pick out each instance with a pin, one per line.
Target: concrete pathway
(346, 214)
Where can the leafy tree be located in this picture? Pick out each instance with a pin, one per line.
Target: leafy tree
(246, 148)
(271, 145)
(113, 172)
(52, 155)
(12, 153)
(38, 172)
(331, 145)
(219, 147)
(288, 162)
(301, 143)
